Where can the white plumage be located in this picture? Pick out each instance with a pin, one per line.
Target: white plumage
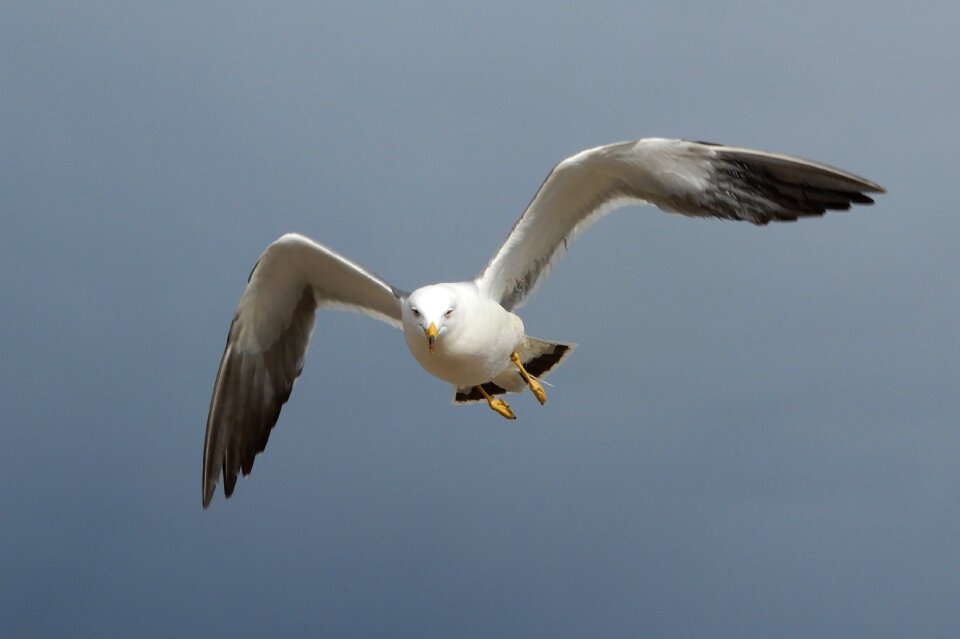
(474, 331)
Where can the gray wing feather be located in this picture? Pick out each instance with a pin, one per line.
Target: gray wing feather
(267, 344)
(692, 178)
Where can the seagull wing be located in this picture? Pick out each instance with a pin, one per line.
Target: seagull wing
(268, 341)
(692, 178)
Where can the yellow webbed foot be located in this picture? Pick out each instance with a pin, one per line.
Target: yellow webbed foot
(498, 405)
(534, 385)
(502, 407)
(538, 391)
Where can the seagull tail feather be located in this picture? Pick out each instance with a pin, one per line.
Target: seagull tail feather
(540, 357)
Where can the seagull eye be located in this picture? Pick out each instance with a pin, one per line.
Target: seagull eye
(448, 313)
(416, 313)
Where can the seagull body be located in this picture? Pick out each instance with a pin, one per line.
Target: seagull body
(466, 333)
(475, 335)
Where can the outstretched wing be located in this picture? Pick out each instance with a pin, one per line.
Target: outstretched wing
(268, 341)
(692, 178)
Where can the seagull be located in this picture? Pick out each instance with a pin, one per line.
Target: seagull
(466, 333)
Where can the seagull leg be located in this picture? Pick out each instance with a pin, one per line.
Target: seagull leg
(497, 405)
(534, 385)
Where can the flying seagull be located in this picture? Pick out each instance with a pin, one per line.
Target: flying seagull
(466, 333)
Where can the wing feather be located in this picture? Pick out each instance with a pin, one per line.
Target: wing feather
(267, 344)
(692, 178)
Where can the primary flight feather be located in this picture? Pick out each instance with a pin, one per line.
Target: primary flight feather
(465, 332)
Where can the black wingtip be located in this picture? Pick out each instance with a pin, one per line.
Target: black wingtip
(209, 488)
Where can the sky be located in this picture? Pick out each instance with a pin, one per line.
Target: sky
(758, 434)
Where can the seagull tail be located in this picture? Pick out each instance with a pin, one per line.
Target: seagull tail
(539, 357)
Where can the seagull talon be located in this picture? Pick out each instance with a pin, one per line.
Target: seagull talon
(538, 391)
(500, 406)
(534, 385)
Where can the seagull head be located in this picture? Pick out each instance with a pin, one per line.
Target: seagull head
(431, 310)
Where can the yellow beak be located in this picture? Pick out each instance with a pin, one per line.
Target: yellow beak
(431, 333)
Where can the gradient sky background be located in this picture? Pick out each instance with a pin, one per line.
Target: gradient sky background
(757, 437)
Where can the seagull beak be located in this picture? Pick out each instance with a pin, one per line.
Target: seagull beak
(431, 333)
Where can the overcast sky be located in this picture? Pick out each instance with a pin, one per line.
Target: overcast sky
(757, 437)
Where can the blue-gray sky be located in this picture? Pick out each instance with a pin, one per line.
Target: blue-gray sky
(757, 437)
